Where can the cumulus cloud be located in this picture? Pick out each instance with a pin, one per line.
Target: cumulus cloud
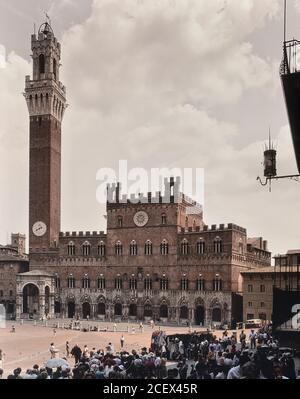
(143, 80)
(13, 146)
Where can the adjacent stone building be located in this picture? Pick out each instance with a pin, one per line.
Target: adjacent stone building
(13, 261)
(157, 260)
(259, 284)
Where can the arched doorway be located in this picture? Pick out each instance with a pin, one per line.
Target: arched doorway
(184, 312)
(47, 300)
(101, 309)
(163, 312)
(216, 315)
(10, 308)
(31, 303)
(132, 310)
(71, 310)
(148, 310)
(199, 315)
(57, 307)
(118, 309)
(86, 310)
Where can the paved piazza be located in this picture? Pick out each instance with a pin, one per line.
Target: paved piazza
(29, 345)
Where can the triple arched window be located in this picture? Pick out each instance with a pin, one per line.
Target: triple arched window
(217, 283)
(184, 284)
(101, 249)
(200, 284)
(118, 282)
(164, 283)
(71, 281)
(148, 283)
(119, 248)
(86, 282)
(71, 248)
(201, 247)
(86, 249)
(185, 247)
(101, 282)
(218, 245)
(133, 248)
(164, 248)
(148, 248)
(133, 283)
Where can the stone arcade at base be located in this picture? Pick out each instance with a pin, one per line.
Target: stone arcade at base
(157, 260)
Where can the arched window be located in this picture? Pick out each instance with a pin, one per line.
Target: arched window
(201, 247)
(163, 311)
(101, 249)
(101, 308)
(118, 282)
(71, 248)
(164, 219)
(86, 249)
(185, 247)
(186, 222)
(164, 248)
(42, 63)
(119, 248)
(184, 283)
(120, 221)
(101, 282)
(71, 281)
(184, 312)
(217, 283)
(133, 248)
(218, 246)
(148, 283)
(132, 310)
(148, 310)
(86, 283)
(118, 309)
(164, 283)
(148, 248)
(200, 283)
(54, 68)
(133, 283)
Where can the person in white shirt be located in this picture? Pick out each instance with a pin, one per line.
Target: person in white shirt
(234, 373)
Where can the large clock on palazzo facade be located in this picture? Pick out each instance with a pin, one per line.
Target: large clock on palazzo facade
(141, 219)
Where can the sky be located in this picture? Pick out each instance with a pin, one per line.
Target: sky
(159, 83)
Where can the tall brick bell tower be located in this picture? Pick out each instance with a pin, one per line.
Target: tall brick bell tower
(46, 99)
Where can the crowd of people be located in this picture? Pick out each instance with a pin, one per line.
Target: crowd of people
(188, 356)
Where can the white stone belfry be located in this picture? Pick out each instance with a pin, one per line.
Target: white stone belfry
(44, 93)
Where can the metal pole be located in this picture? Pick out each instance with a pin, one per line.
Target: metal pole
(285, 18)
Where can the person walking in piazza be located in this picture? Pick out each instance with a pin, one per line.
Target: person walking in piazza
(54, 332)
(252, 338)
(76, 352)
(86, 351)
(141, 327)
(243, 339)
(122, 340)
(52, 350)
(67, 349)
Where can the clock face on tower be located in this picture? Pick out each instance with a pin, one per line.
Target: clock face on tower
(141, 219)
(39, 229)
